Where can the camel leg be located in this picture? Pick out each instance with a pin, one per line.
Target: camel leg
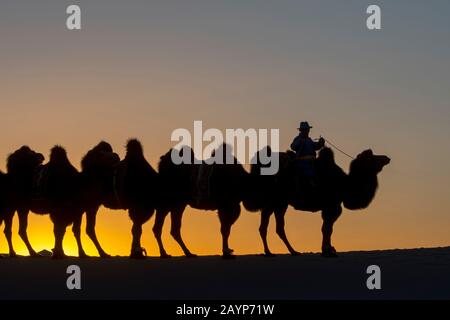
(76, 229)
(23, 225)
(175, 230)
(136, 249)
(139, 217)
(161, 215)
(59, 230)
(227, 217)
(329, 217)
(1, 221)
(265, 218)
(279, 216)
(91, 215)
(8, 234)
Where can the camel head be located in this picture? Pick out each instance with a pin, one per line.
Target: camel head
(103, 146)
(367, 163)
(362, 180)
(24, 161)
(106, 157)
(100, 162)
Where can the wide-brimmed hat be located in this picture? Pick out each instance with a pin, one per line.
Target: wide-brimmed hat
(304, 125)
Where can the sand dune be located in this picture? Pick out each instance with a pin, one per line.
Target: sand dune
(405, 274)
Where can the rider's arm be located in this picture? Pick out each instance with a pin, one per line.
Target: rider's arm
(319, 144)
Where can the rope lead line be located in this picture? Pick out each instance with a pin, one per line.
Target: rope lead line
(334, 146)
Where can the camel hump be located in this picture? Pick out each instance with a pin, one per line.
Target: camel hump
(326, 156)
(134, 148)
(13, 158)
(60, 162)
(103, 146)
(58, 155)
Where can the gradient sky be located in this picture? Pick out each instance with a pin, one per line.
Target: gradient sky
(144, 68)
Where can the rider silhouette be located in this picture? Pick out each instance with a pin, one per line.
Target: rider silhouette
(305, 149)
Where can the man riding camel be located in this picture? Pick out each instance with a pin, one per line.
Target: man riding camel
(305, 149)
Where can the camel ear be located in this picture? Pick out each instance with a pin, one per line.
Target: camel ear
(365, 154)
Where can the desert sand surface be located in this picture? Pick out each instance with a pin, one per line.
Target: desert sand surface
(405, 274)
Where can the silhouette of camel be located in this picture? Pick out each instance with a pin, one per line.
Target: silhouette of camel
(98, 169)
(202, 186)
(7, 209)
(273, 194)
(59, 190)
(53, 188)
(21, 167)
(130, 184)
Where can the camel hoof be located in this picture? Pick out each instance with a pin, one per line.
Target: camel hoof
(83, 255)
(329, 254)
(228, 251)
(104, 255)
(191, 255)
(140, 253)
(295, 253)
(34, 254)
(269, 255)
(58, 255)
(165, 256)
(137, 256)
(13, 255)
